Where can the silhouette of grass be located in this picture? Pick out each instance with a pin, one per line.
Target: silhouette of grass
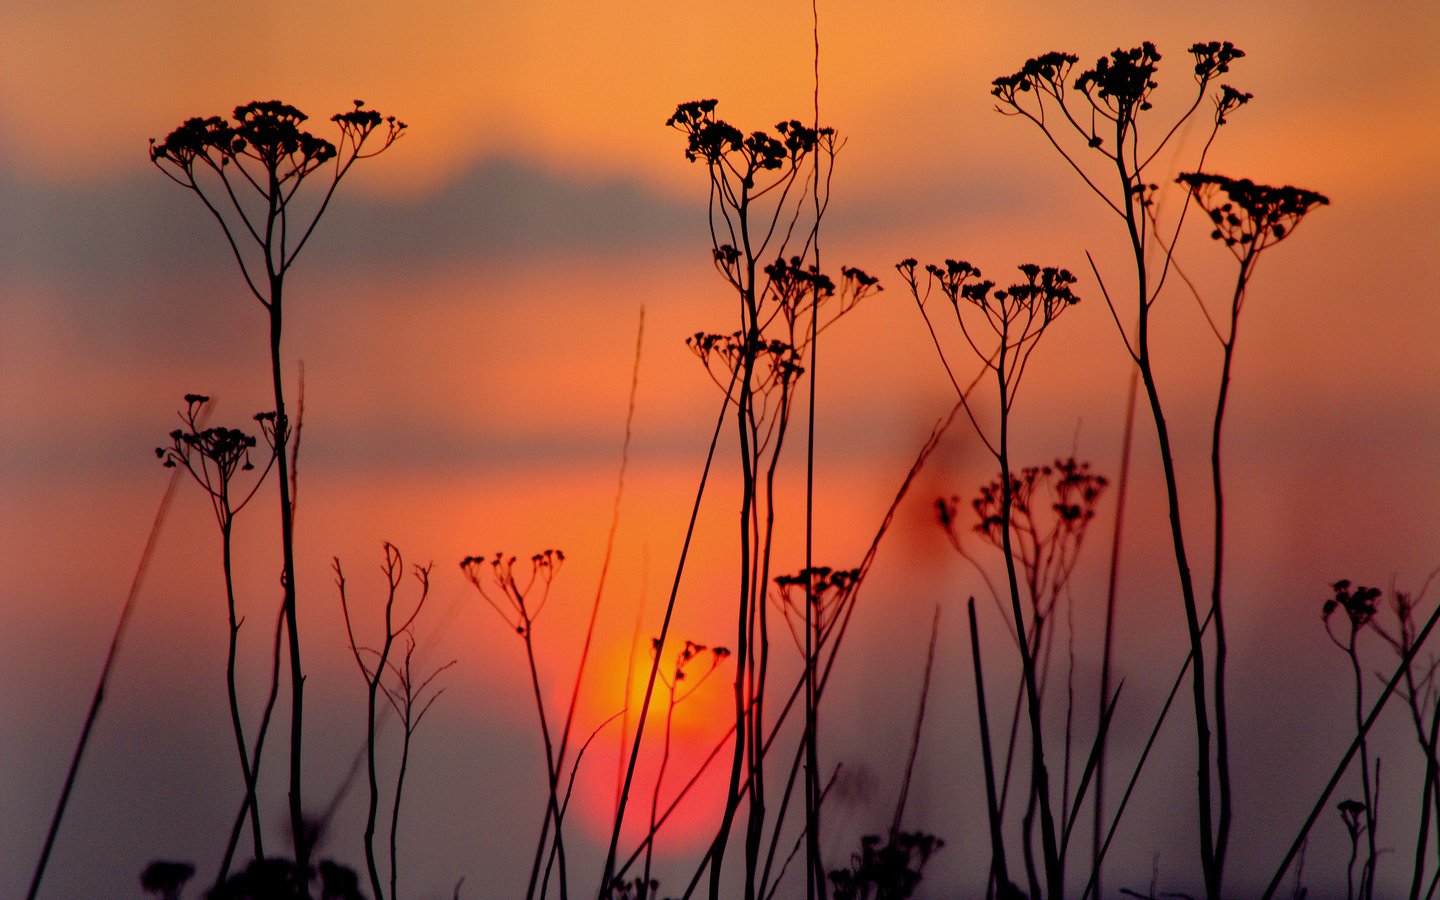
(765, 246)
(126, 611)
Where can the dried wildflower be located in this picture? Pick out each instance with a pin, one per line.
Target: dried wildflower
(1250, 217)
(247, 173)
(265, 146)
(687, 654)
(827, 589)
(213, 457)
(1358, 605)
(892, 869)
(717, 141)
(1213, 58)
(1122, 82)
(1047, 73)
(1229, 100)
(1115, 91)
(511, 596)
(1051, 507)
(1074, 492)
(784, 302)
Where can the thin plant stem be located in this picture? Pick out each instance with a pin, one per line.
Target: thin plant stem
(267, 136)
(659, 781)
(126, 611)
(213, 457)
(1427, 795)
(919, 723)
(1117, 92)
(999, 872)
(814, 868)
(834, 633)
(608, 875)
(599, 589)
(1106, 654)
(800, 839)
(1040, 778)
(259, 746)
(246, 767)
(551, 771)
(1090, 886)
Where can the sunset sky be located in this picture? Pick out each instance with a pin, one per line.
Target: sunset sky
(467, 318)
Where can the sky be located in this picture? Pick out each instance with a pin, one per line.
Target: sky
(467, 319)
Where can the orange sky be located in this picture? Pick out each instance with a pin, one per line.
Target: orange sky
(467, 319)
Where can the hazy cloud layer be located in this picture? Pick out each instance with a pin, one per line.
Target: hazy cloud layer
(496, 208)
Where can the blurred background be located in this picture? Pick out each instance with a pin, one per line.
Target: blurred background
(467, 317)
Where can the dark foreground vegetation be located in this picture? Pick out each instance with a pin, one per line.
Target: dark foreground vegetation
(1054, 792)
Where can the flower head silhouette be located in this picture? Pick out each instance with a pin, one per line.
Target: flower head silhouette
(1250, 217)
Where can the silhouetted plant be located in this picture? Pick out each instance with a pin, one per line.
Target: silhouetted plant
(248, 173)
(166, 879)
(281, 879)
(516, 601)
(1104, 117)
(1248, 218)
(1356, 816)
(635, 889)
(677, 694)
(397, 682)
(826, 590)
(908, 779)
(888, 871)
(214, 457)
(1051, 509)
(1358, 607)
(1015, 317)
(754, 213)
(1423, 704)
(999, 883)
(847, 587)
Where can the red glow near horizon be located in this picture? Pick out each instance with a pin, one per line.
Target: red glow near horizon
(695, 723)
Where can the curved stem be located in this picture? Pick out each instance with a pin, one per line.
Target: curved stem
(551, 772)
(1210, 865)
(1222, 730)
(1039, 775)
(287, 579)
(246, 769)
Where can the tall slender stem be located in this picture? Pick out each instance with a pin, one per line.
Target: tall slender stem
(1222, 728)
(1040, 779)
(1107, 653)
(1210, 865)
(298, 826)
(125, 612)
(246, 769)
(552, 774)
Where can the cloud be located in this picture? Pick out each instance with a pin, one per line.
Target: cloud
(497, 208)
